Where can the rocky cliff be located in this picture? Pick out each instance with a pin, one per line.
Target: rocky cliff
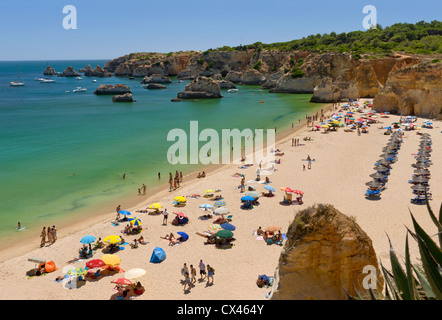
(201, 88)
(325, 255)
(69, 72)
(414, 90)
(49, 71)
(109, 89)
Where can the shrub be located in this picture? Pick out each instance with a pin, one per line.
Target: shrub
(257, 65)
(297, 73)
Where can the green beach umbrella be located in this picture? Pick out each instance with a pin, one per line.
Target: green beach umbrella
(225, 234)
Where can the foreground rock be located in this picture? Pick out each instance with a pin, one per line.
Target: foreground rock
(155, 86)
(123, 98)
(156, 78)
(109, 89)
(49, 71)
(414, 90)
(324, 255)
(69, 72)
(201, 88)
(224, 84)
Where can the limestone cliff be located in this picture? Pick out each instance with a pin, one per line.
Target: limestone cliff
(324, 255)
(414, 90)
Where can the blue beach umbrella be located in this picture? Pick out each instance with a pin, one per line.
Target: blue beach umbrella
(270, 188)
(247, 198)
(158, 255)
(87, 239)
(206, 206)
(228, 226)
(125, 213)
(183, 235)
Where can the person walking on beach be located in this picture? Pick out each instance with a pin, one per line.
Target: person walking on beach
(54, 233)
(43, 237)
(192, 274)
(187, 281)
(181, 176)
(202, 267)
(170, 184)
(124, 176)
(165, 214)
(18, 226)
(184, 269)
(210, 273)
(139, 191)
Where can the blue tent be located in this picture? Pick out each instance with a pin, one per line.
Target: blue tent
(158, 255)
(183, 235)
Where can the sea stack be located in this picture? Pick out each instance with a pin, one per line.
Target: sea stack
(156, 78)
(109, 89)
(201, 88)
(69, 72)
(123, 98)
(49, 71)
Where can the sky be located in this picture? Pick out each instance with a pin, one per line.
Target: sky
(33, 29)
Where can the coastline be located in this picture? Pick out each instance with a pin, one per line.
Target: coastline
(104, 213)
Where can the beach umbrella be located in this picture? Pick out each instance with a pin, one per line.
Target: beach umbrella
(96, 263)
(134, 273)
(273, 228)
(158, 255)
(221, 211)
(380, 168)
(298, 192)
(183, 235)
(155, 206)
(373, 184)
(87, 239)
(420, 187)
(270, 188)
(37, 260)
(378, 175)
(215, 227)
(253, 194)
(124, 213)
(220, 203)
(228, 226)
(136, 222)
(180, 199)
(225, 234)
(113, 239)
(111, 259)
(384, 161)
(209, 191)
(77, 272)
(247, 198)
(181, 214)
(421, 171)
(124, 282)
(420, 179)
(206, 206)
(421, 165)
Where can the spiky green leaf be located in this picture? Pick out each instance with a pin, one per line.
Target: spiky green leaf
(400, 278)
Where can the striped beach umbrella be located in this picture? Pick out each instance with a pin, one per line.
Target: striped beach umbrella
(77, 272)
(220, 204)
(135, 222)
(215, 227)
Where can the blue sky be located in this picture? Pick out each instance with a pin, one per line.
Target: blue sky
(33, 30)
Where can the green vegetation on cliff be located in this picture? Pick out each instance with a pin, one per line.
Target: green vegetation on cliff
(420, 38)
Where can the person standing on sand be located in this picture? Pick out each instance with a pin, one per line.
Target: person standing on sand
(18, 226)
(124, 176)
(139, 191)
(170, 184)
(187, 282)
(181, 176)
(165, 214)
(43, 237)
(202, 267)
(192, 274)
(210, 273)
(54, 232)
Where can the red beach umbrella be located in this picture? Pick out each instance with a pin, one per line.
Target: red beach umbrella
(122, 281)
(298, 192)
(96, 263)
(180, 214)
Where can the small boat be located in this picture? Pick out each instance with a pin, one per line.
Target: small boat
(80, 89)
(94, 81)
(47, 81)
(78, 78)
(16, 84)
(180, 81)
(233, 90)
(38, 79)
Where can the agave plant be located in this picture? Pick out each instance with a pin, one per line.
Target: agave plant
(415, 282)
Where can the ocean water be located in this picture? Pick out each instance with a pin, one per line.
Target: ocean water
(63, 153)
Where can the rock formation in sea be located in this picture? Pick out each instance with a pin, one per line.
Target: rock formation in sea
(69, 72)
(49, 71)
(156, 78)
(325, 255)
(109, 89)
(127, 97)
(201, 88)
(155, 86)
(97, 72)
(414, 90)
(224, 84)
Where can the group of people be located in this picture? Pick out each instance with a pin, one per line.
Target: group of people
(174, 182)
(172, 239)
(190, 275)
(142, 190)
(129, 229)
(201, 175)
(48, 235)
(295, 142)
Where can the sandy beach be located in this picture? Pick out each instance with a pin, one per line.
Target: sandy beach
(343, 164)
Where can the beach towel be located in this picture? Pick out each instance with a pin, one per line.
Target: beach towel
(259, 238)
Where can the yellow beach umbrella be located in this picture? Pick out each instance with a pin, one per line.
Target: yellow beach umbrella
(135, 222)
(324, 126)
(112, 239)
(209, 191)
(180, 199)
(155, 206)
(111, 259)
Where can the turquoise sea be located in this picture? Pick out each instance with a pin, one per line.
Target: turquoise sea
(63, 153)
